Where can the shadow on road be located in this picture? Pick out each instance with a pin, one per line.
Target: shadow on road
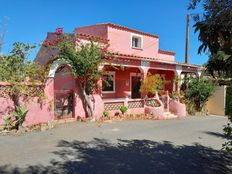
(216, 134)
(131, 156)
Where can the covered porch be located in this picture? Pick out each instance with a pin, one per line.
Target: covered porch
(122, 80)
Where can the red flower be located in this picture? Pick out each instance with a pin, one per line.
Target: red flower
(59, 31)
(104, 50)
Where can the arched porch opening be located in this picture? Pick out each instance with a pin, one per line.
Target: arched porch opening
(64, 87)
(167, 75)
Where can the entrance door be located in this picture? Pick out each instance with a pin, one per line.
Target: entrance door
(135, 87)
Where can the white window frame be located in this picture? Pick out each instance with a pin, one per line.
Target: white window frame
(138, 36)
(110, 73)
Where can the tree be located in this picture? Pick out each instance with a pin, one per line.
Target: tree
(84, 59)
(215, 33)
(24, 78)
(152, 84)
(198, 92)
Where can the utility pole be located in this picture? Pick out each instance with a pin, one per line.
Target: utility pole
(187, 40)
(3, 31)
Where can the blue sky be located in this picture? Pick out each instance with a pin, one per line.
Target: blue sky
(30, 20)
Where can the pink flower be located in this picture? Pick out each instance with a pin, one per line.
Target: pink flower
(77, 40)
(59, 31)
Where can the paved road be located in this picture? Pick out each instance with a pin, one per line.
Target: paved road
(189, 145)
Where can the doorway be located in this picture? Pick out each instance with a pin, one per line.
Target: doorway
(135, 87)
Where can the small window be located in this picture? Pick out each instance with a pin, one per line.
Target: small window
(108, 82)
(136, 42)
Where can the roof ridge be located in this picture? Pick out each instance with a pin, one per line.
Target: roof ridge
(166, 52)
(123, 28)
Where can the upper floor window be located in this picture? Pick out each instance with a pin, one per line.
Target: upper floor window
(136, 41)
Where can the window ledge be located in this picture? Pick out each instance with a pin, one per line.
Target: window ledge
(136, 48)
(108, 92)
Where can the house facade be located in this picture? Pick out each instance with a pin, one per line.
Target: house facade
(134, 55)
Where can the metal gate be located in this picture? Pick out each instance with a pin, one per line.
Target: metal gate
(63, 104)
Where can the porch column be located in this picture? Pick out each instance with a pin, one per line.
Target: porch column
(178, 75)
(144, 68)
(198, 73)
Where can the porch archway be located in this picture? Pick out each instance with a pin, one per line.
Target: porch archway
(64, 87)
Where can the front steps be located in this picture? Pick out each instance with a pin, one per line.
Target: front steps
(169, 115)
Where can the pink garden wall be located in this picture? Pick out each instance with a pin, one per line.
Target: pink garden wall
(38, 112)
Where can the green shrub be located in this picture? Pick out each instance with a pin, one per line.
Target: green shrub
(152, 84)
(8, 122)
(123, 109)
(228, 128)
(174, 95)
(229, 99)
(106, 114)
(20, 115)
(198, 92)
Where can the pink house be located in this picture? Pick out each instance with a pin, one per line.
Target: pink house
(135, 54)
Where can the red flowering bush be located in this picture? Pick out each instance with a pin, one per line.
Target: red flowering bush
(59, 31)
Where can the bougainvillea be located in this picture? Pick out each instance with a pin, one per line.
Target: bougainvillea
(84, 59)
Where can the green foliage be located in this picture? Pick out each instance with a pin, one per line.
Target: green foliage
(20, 114)
(123, 109)
(228, 128)
(25, 77)
(229, 99)
(198, 92)
(228, 133)
(106, 114)
(174, 95)
(215, 33)
(8, 122)
(84, 60)
(219, 65)
(152, 84)
(215, 27)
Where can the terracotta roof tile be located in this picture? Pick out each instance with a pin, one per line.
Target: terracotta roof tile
(153, 59)
(166, 52)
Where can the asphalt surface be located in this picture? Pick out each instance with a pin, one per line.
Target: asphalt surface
(189, 145)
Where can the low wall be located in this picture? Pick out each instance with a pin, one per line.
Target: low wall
(157, 112)
(177, 108)
(37, 112)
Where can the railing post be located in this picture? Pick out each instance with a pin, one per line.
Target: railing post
(126, 102)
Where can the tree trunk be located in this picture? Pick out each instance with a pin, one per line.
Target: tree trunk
(87, 103)
(15, 99)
